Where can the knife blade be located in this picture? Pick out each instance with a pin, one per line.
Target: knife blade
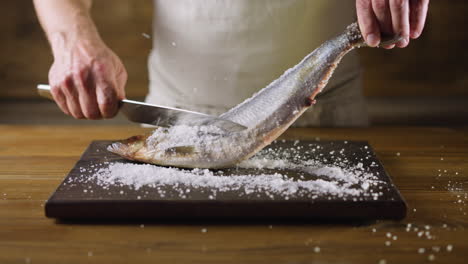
(158, 115)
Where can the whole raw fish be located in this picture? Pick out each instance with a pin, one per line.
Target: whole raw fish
(266, 115)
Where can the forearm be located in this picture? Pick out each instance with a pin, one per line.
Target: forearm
(66, 22)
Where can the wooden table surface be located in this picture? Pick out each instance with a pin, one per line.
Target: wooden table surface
(429, 166)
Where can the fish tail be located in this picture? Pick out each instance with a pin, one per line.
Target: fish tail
(356, 39)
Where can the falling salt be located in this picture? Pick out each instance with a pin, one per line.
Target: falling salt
(449, 248)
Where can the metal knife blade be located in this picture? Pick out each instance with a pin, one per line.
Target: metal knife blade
(157, 115)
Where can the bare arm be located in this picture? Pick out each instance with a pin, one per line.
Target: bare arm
(87, 78)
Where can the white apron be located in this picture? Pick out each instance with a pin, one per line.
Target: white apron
(210, 55)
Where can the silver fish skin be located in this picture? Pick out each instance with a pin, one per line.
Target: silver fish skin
(267, 114)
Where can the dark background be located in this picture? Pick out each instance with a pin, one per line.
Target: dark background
(424, 84)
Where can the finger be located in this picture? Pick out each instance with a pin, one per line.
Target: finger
(87, 95)
(71, 94)
(382, 13)
(389, 46)
(106, 98)
(60, 99)
(418, 15)
(368, 23)
(121, 82)
(400, 20)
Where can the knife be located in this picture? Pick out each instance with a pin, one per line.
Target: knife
(157, 115)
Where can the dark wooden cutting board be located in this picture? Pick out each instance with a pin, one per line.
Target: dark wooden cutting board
(71, 201)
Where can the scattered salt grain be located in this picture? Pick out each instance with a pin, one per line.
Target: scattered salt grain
(146, 35)
(421, 250)
(173, 44)
(394, 237)
(436, 248)
(449, 248)
(374, 230)
(317, 249)
(142, 226)
(204, 230)
(389, 235)
(388, 243)
(431, 257)
(90, 253)
(382, 261)
(270, 226)
(398, 154)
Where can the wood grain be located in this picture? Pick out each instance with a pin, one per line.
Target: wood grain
(34, 160)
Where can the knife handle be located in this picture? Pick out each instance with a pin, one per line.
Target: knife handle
(44, 91)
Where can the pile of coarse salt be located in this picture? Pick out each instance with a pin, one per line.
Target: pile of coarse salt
(353, 182)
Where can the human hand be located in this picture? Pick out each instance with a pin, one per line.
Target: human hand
(391, 17)
(87, 79)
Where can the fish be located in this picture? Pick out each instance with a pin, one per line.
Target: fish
(266, 115)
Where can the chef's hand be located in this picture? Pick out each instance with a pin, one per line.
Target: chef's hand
(391, 17)
(87, 79)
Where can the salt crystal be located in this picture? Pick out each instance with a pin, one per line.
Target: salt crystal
(388, 243)
(382, 261)
(389, 235)
(394, 237)
(421, 250)
(431, 257)
(142, 226)
(204, 230)
(145, 35)
(374, 230)
(90, 253)
(398, 154)
(173, 44)
(449, 248)
(317, 249)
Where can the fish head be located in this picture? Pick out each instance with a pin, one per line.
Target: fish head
(181, 146)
